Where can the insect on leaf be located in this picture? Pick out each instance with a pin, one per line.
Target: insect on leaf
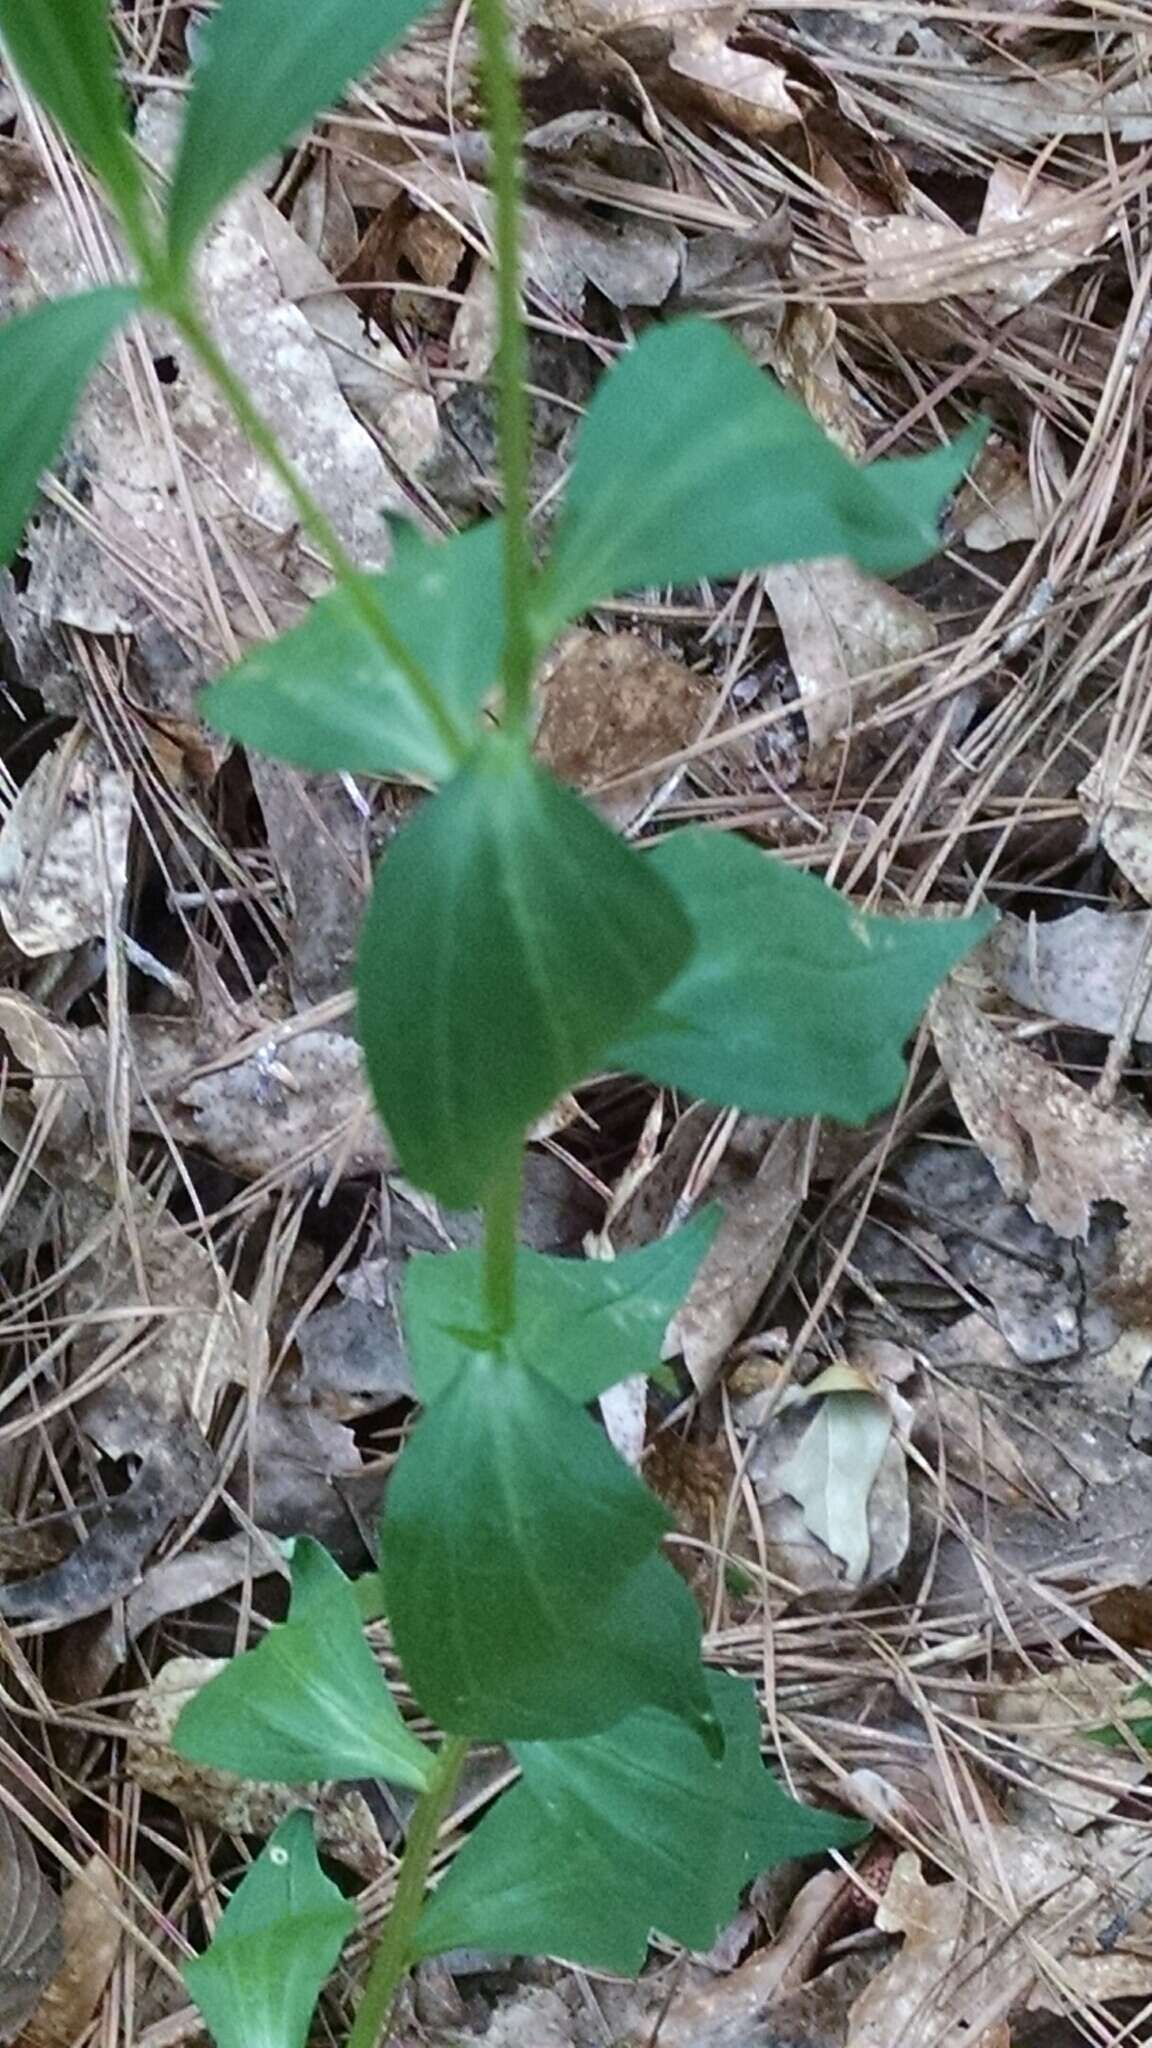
(509, 939)
(635, 1829)
(692, 462)
(46, 358)
(65, 53)
(327, 696)
(517, 1552)
(275, 1946)
(266, 69)
(793, 1003)
(582, 1323)
(308, 1702)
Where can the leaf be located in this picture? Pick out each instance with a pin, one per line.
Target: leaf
(64, 847)
(516, 1553)
(830, 1473)
(46, 358)
(275, 1946)
(266, 69)
(637, 1828)
(327, 697)
(91, 1936)
(691, 462)
(793, 1003)
(66, 55)
(308, 1702)
(582, 1324)
(509, 938)
(30, 1944)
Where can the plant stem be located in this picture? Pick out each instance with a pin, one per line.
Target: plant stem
(513, 416)
(394, 1954)
(501, 1226)
(314, 522)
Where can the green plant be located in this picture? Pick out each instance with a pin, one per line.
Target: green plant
(513, 945)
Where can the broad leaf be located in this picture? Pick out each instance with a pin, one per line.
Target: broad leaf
(635, 1829)
(582, 1323)
(308, 1702)
(793, 1003)
(510, 937)
(275, 1946)
(516, 1550)
(266, 69)
(326, 696)
(46, 358)
(692, 462)
(64, 51)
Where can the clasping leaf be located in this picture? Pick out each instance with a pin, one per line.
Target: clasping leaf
(612, 1836)
(308, 1702)
(692, 462)
(275, 1946)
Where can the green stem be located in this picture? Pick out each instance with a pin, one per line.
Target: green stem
(501, 1226)
(394, 1955)
(513, 416)
(314, 522)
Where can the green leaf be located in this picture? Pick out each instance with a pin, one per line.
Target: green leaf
(792, 1003)
(692, 462)
(581, 1323)
(1123, 1733)
(308, 1702)
(326, 696)
(46, 358)
(635, 1829)
(266, 69)
(65, 53)
(516, 1553)
(510, 937)
(275, 1946)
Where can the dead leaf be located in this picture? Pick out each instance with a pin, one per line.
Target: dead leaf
(1118, 805)
(1052, 1146)
(1077, 969)
(30, 1942)
(345, 1828)
(759, 1212)
(832, 1469)
(729, 2008)
(1031, 233)
(91, 1935)
(849, 637)
(995, 505)
(749, 93)
(64, 1065)
(1050, 1716)
(64, 849)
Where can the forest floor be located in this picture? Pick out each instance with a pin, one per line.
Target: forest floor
(910, 217)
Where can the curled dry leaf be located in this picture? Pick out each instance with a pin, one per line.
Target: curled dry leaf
(64, 849)
(749, 93)
(1078, 969)
(30, 1945)
(849, 637)
(66, 1068)
(345, 1828)
(996, 505)
(1051, 1144)
(833, 1485)
(91, 1934)
(831, 1471)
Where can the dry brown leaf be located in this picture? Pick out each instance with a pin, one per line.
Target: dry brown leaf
(837, 1538)
(1031, 233)
(611, 704)
(996, 505)
(749, 93)
(848, 637)
(739, 1263)
(30, 1944)
(1077, 969)
(806, 358)
(1052, 1146)
(91, 1935)
(64, 849)
(64, 1065)
(345, 1828)
(1051, 1716)
(1118, 805)
(730, 2007)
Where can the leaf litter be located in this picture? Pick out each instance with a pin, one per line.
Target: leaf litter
(910, 216)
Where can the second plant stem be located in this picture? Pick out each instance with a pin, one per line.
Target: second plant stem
(393, 1958)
